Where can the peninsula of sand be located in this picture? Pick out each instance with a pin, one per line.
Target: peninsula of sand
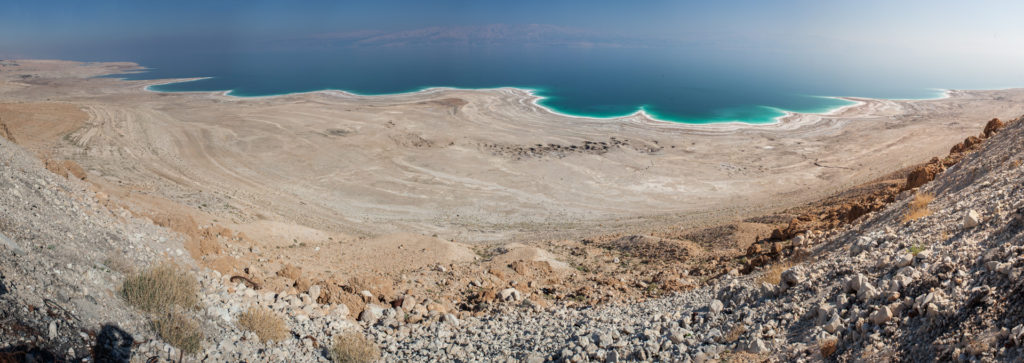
(329, 174)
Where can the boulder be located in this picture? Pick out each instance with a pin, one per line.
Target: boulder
(834, 324)
(371, 313)
(971, 219)
(904, 260)
(716, 306)
(510, 294)
(881, 316)
(792, 276)
(992, 126)
(314, 292)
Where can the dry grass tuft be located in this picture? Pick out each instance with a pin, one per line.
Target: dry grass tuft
(353, 347)
(159, 288)
(828, 347)
(735, 333)
(119, 264)
(178, 330)
(919, 207)
(268, 325)
(773, 275)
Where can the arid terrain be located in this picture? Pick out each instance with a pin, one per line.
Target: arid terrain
(450, 198)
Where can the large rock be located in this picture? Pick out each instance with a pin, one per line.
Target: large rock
(510, 294)
(971, 219)
(904, 260)
(716, 306)
(314, 292)
(992, 126)
(757, 346)
(858, 283)
(922, 175)
(881, 316)
(792, 276)
(371, 313)
(834, 324)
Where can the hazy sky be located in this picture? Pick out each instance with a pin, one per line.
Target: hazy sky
(871, 31)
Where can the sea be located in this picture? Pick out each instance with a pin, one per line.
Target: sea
(672, 85)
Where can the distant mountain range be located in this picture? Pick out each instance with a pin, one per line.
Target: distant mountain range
(486, 35)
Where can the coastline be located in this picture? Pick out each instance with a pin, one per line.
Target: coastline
(788, 116)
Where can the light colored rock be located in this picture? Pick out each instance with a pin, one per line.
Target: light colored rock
(792, 276)
(716, 306)
(971, 219)
(824, 311)
(314, 292)
(1017, 334)
(366, 295)
(510, 294)
(408, 303)
(834, 324)
(881, 316)
(340, 310)
(450, 319)
(677, 337)
(10, 245)
(53, 329)
(603, 340)
(371, 313)
(757, 346)
(904, 260)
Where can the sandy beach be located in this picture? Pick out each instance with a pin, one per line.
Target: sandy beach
(466, 165)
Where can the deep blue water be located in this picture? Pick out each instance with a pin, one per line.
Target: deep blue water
(671, 85)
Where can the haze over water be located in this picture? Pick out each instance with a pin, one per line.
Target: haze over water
(677, 61)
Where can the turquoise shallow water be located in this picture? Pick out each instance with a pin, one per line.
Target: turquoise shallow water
(667, 85)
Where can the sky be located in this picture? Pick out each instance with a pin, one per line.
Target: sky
(938, 32)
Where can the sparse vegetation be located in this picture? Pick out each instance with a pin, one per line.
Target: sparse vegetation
(116, 264)
(735, 333)
(268, 325)
(158, 288)
(914, 250)
(918, 208)
(828, 347)
(773, 274)
(179, 330)
(353, 347)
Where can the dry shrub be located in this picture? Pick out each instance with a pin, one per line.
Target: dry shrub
(119, 264)
(178, 330)
(353, 347)
(268, 325)
(828, 347)
(773, 275)
(160, 287)
(735, 333)
(918, 207)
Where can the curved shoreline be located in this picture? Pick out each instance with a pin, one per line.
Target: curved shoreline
(536, 99)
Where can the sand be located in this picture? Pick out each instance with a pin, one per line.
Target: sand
(464, 165)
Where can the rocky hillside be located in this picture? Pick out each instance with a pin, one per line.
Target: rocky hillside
(934, 275)
(64, 255)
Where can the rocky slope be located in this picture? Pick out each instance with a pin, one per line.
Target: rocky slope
(942, 285)
(945, 286)
(64, 254)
